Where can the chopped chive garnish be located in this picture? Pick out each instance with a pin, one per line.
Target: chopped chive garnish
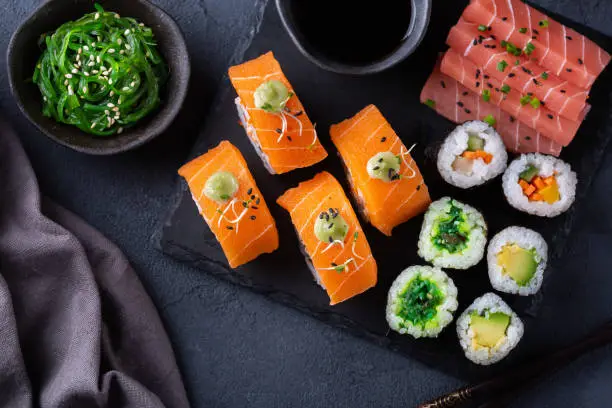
(486, 95)
(529, 48)
(490, 120)
(517, 62)
(512, 49)
(535, 102)
(504, 43)
(543, 23)
(522, 30)
(525, 100)
(505, 88)
(501, 65)
(431, 103)
(482, 28)
(355, 235)
(544, 75)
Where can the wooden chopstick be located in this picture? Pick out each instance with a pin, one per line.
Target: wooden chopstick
(510, 382)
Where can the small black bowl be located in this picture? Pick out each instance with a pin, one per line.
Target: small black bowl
(419, 20)
(23, 53)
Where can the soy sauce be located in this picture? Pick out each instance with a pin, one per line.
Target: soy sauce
(352, 31)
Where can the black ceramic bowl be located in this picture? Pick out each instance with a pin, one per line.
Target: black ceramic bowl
(419, 20)
(23, 53)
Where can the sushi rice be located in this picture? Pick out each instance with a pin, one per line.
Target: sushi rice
(456, 144)
(547, 166)
(421, 301)
(453, 235)
(486, 305)
(526, 239)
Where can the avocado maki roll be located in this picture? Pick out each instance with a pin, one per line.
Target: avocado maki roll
(488, 330)
(421, 301)
(540, 185)
(453, 235)
(517, 259)
(471, 155)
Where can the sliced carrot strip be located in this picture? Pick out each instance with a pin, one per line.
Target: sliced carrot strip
(524, 185)
(550, 180)
(538, 182)
(536, 197)
(529, 190)
(478, 154)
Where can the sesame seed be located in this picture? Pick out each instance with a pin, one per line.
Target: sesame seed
(126, 32)
(45, 98)
(78, 57)
(110, 81)
(550, 116)
(119, 131)
(111, 50)
(93, 125)
(106, 112)
(117, 15)
(119, 41)
(85, 73)
(132, 84)
(119, 101)
(93, 44)
(66, 82)
(91, 57)
(91, 64)
(80, 50)
(115, 109)
(68, 76)
(110, 105)
(112, 93)
(70, 90)
(85, 89)
(98, 59)
(128, 47)
(102, 68)
(141, 24)
(121, 52)
(568, 69)
(86, 48)
(75, 71)
(95, 71)
(125, 88)
(97, 16)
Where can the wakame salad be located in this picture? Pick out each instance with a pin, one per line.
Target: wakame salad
(101, 73)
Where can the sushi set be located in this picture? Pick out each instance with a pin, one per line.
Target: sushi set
(423, 208)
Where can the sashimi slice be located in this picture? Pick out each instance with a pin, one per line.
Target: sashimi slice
(483, 49)
(458, 104)
(384, 204)
(565, 52)
(285, 141)
(305, 204)
(243, 225)
(550, 124)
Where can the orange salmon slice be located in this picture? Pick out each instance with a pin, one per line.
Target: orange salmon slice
(285, 141)
(384, 204)
(243, 225)
(305, 204)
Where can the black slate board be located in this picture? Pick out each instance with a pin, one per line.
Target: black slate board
(329, 98)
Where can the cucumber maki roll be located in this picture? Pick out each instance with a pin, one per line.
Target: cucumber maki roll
(471, 155)
(540, 185)
(488, 330)
(421, 301)
(453, 235)
(517, 259)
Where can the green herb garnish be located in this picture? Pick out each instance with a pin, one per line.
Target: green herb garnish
(501, 65)
(505, 88)
(522, 30)
(431, 103)
(535, 102)
(525, 100)
(490, 119)
(449, 234)
(529, 48)
(544, 75)
(482, 28)
(517, 62)
(543, 23)
(486, 95)
(101, 73)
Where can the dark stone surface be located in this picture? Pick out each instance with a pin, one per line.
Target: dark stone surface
(395, 92)
(237, 348)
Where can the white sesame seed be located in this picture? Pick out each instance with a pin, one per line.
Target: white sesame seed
(66, 82)
(128, 47)
(119, 130)
(106, 112)
(111, 50)
(78, 57)
(122, 52)
(110, 81)
(84, 89)
(93, 125)
(119, 101)
(127, 32)
(97, 16)
(99, 38)
(110, 105)
(115, 109)
(75, 71)
(133, 83)
(91, 64)
(91, 57)
(117, 15)
(93, 44)
(102, 68)
(86, 48)
(141, 24)
(68, 76)
(85, 73)
(70, 90)
(45, 98)
(125, 88)
(95, 71)
(119, 41)
(111, 93)
(148, 54)
(80, 50)
(98, 59)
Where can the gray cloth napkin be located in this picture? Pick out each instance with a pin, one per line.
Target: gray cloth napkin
(77, 328)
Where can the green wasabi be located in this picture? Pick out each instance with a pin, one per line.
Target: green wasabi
(384, 166)
(330, 226)
(221, 186)
(272, 96)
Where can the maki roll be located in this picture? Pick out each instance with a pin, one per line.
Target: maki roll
(472, 154)
(453, 235)
(540, 185)
(421, 301)
(488, 330)
(517, 259)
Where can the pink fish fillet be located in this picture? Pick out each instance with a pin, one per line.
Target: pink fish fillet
(545, 121)
(485, 50)
(557, 48)
(458, 104)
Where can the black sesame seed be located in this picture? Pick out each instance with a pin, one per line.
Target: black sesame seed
(477, 73)
(330, 241)
(568, 69)
(536, 31)
(550, 116)
(535, 81)
(493, 37)
(486, 76)
(257, 201)
(563, 91)
(512, 119)
(255, 207)
(475, 41)
(443, 84)
(289, 138)
(331, 210)
(299, 113)
(460, 104)
(278, 130)
(229, 227)
(253, 217)
(580, 61)
(490, 28)
(376, 168)
(244, 204)
(330, 226)
(527, 71)
(480, 39)
(321, 216)
(249, 191)
(533, 37)
(527, 137)
(418, 187)
(380, 160)
(477, 84)
(504, 18)
(490, 85)
(487, 46)
(511, 75)
(496, 89)
(530, 93)
(493, 46)
(542, 103)
(465, 93)
(467, 111)
(383, 139)
(569, 37)
(334, 264)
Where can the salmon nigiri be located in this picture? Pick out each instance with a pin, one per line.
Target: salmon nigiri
(273, 116)
(386, 181)
(338, 251)
(230, 202)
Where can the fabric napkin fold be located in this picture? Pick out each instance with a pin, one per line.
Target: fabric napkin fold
(77, 328)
